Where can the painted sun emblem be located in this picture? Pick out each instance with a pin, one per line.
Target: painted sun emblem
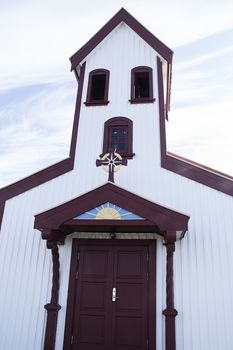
(108, 211)
(108, 214)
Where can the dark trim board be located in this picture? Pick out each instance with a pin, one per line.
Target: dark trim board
(77, 114)
(122, 226)
(151, 285)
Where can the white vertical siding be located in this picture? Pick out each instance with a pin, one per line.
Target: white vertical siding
(203, 264)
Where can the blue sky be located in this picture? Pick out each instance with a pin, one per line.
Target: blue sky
(37, 89)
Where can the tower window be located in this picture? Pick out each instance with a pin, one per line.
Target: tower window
(97, 91)
(98, 87)
(141, 85)
(118, 136)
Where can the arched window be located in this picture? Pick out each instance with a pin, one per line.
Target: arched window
(118, 136)
(97, 91)
(141, 85)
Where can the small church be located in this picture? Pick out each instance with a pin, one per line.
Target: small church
(122, 245)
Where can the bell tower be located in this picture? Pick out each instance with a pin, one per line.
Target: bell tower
(119, 107)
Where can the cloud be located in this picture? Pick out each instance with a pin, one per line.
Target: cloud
(201, 120)
(39, 122)
(206, 77)
(203, 133)
(37, 38)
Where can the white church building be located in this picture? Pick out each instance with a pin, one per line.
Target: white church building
(122, 245)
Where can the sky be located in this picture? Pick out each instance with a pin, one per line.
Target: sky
(37, 89)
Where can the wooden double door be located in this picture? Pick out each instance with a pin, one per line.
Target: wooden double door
(111, 297)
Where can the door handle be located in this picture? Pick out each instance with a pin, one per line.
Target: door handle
(114, 295)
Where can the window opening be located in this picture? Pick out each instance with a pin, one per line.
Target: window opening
(118, 136)
(98, 87)
(141, 85)
(97, 91)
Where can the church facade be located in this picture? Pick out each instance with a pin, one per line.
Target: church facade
(122, 245)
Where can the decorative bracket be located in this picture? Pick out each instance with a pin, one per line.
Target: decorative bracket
(53, 235)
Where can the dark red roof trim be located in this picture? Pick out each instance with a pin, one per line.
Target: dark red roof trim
(160, 217)
(77, 113)
(126, 17)
(182, 166)
(52, 171)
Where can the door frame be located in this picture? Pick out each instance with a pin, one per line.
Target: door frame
(151, 244)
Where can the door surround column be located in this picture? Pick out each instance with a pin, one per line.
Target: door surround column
(170, 312)
(53, 307)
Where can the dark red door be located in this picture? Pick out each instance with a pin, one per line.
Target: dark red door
(111, 298)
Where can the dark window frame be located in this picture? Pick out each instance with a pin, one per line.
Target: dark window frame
(150, 98)
(119, 122)
(104, 101)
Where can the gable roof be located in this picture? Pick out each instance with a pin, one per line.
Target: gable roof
(127, 18)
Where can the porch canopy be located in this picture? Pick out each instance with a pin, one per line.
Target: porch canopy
(109, 208)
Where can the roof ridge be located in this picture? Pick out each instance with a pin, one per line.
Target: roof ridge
(121, 16)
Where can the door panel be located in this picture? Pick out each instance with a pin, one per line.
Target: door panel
(127, 335)
(92, 304)
(129, 313)
(130, 263)
(99, 323)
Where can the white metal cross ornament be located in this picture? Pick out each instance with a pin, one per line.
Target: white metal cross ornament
(111, 162)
